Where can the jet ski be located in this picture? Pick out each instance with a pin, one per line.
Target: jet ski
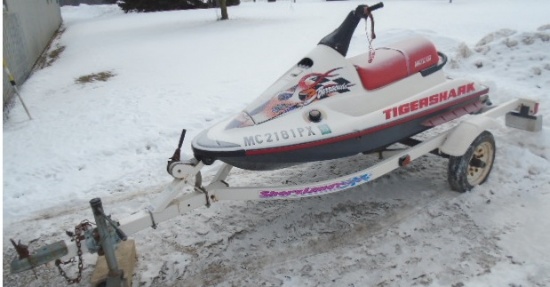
(328, 106)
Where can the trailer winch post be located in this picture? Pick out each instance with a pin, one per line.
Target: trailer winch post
(107, 241)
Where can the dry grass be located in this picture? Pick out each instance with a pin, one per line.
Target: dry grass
(51, 54)
(54, 55)
(90, 78)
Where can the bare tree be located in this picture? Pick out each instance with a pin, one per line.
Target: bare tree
(223, 7)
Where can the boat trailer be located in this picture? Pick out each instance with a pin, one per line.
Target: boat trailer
(187, 192)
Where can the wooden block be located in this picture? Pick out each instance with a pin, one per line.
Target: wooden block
(126, 258)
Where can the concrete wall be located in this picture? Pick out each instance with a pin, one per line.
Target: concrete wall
(28, 27)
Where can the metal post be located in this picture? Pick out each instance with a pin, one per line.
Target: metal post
(15, 88)
(114, 279)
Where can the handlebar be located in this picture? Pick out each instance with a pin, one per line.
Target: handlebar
(376, 6)
(363, 11)
(340, 38)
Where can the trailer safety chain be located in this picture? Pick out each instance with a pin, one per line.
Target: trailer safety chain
(77, 236)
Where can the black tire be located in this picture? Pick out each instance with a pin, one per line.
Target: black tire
(472, 168)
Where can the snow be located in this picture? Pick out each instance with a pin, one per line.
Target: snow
(184, 69)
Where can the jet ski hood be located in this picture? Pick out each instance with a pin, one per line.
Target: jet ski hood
(308, 83)
(298, 88)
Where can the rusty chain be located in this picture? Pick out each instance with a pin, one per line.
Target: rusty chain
(77, 237)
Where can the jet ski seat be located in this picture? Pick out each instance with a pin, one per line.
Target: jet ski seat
(395, 62)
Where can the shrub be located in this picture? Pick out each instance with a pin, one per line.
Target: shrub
(167, 5)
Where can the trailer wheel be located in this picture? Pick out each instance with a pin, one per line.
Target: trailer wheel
(474, 166)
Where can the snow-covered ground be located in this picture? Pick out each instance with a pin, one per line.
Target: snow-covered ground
(184, 69)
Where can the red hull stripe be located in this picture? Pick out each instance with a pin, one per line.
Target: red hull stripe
(363, 132)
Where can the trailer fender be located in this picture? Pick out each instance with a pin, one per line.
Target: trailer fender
(460, 137)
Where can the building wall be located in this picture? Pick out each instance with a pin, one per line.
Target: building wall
(88, 2)
(28, 26)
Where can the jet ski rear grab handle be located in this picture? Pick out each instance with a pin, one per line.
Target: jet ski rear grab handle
(186, 192)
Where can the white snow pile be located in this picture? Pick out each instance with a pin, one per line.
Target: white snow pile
(518, 56)
(184, 69)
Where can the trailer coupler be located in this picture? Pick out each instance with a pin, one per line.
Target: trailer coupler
(41, 256)
(103, 239)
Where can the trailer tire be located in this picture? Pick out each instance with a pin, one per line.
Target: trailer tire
(474, 166)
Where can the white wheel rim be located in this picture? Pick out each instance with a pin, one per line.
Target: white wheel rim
(483, 152)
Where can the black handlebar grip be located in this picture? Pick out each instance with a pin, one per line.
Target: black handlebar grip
(376, 6)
